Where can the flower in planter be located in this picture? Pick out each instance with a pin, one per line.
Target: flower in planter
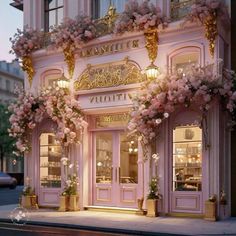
(26, 41)
(28, 191)
(138, 17)
(153, 189)
(71, 181)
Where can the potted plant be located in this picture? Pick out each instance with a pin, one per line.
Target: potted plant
(152, 198)
(210, 209)
(69, 199)
(28, 198)
(72, 190)
(64, 201)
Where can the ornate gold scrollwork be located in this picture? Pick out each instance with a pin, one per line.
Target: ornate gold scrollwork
(151, 36)
(70, 60)
(106, 23)
(27, 66)
(211, 31)
(109, 75)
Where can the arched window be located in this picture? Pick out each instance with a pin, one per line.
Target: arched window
(183, 57)
(49, 77)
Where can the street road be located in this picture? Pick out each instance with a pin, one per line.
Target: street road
(7, 229)
(10, 196)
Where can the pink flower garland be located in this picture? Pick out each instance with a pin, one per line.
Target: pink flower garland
(162, 96)
(27, 41)
(139, 17)
(66, 112)
(26, 112)
(203, 9)
(72, 33)
(55, 103)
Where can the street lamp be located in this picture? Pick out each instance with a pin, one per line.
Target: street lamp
(152, 71)
(63, 82)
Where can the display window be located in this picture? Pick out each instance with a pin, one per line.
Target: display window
(187, 158)
(50, 161)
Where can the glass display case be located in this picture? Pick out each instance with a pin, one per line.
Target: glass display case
(187, 158)
(50, 161)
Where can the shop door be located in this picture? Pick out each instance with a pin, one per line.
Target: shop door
(187, 171)
(115, 168)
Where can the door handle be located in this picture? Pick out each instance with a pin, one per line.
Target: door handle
(111, 174)
(119, 174)
(116, 175)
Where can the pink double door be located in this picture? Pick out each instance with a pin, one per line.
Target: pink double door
(115, 169)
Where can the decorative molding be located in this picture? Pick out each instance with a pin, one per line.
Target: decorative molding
(109, 75)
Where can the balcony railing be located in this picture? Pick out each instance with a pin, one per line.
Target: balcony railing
(180, 8)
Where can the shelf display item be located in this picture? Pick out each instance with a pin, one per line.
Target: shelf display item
(187, 158)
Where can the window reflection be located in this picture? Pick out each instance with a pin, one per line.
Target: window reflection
(50, 161)
(53, 13)
(103, 157)
(183, 61)
(187, 158)
(100, 7)
(128, 159)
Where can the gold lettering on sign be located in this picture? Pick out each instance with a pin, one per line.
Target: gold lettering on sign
(118, 97)
(112, 120)
(109, 48)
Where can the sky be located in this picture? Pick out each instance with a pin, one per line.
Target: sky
(10, 19)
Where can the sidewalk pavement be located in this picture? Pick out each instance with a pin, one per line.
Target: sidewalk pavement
(124, 223)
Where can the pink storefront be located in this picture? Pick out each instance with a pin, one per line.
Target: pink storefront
(194, 159)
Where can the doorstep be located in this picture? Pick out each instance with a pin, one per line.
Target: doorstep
(115, 210)
(185, 215)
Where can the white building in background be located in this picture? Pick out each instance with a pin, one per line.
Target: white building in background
(110, 176)
(11, 76)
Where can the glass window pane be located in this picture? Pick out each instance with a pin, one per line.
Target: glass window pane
(104, 157)
(184, 60)
(52, 4)
(187, 158)
(50, 161)
(52, 18)
(60, 3)
(59, 16)
(180, 8)
(128, 159)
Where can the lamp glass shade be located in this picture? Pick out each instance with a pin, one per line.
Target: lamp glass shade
(63, 82)
(152, 71)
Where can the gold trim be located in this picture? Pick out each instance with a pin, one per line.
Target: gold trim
(106, 24)
(70, 60)
(109, 75)
(151, 37)
(211, 31)
(27, 66)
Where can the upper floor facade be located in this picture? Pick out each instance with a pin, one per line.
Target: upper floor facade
(178, 46)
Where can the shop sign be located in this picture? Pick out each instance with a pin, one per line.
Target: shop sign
(109, 48)
(109, 99)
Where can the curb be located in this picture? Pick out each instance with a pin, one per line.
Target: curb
(91, 228)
